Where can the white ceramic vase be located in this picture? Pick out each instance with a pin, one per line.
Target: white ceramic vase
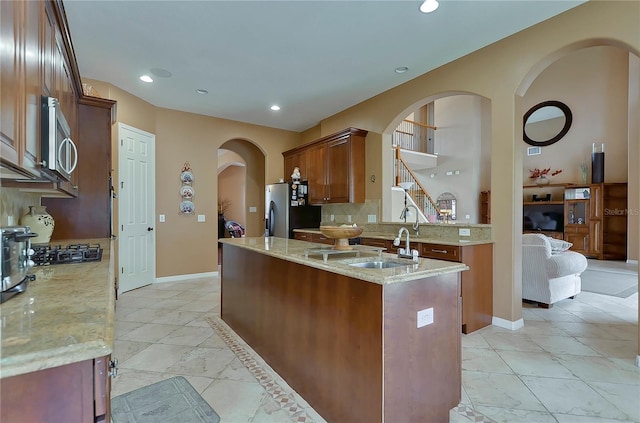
(40, 222)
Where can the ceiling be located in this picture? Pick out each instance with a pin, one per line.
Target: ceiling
(312, 58)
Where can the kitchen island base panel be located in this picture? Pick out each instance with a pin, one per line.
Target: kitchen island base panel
(350, 347)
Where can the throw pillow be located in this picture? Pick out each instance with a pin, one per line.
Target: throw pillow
(558, 245)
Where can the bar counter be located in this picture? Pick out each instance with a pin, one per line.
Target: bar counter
(297, 251)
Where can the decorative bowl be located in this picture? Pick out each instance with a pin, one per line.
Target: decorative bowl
(341, 234)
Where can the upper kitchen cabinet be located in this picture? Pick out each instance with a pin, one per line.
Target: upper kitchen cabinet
(335, 167)
(299, 159)
(10, 81)
(37, 60)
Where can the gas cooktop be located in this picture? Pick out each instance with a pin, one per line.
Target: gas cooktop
(71, 253)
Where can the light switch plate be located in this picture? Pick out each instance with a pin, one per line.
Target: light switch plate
(253, 209)
(202, 218)
(161, 218)
(371, 218)
(425, 317)
(464, 232)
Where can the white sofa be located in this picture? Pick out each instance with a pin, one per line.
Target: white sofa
(549, 274)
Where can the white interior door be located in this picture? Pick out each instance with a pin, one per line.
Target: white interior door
(136, 208)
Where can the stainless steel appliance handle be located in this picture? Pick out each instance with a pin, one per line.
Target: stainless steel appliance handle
(272, 220)
(75, 155)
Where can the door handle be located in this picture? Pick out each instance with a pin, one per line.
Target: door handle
(149, 229)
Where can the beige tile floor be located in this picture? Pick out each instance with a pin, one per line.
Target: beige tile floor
(573, 363)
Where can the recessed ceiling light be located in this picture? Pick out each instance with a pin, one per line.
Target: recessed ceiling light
(162, 73)
(275, 107)
(401, 69)
(429, 6)
(146, 78)
(202, 91)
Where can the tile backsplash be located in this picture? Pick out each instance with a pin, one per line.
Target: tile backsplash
(14, 203)
(351, 213)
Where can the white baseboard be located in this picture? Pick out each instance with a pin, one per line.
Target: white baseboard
(632, 261)
(507, 324)
(179, 278)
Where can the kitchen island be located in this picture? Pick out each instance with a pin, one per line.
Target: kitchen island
(347, 338)
(56, 342)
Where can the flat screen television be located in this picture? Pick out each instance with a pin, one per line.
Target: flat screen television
(543, 217)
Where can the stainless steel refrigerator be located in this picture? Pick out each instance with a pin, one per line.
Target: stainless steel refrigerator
(287, 208)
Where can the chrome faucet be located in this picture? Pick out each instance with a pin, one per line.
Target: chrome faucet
(405, 252)
(416, 225)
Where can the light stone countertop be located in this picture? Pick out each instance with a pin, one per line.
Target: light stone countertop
(294, 250)
(412, 238)
(65, 316)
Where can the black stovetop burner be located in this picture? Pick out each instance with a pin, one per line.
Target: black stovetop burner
(72, 253)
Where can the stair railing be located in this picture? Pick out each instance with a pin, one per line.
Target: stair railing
(414, 136)
(417, 191)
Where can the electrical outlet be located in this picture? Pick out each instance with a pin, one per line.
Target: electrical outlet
(332, 218)
(201, 218)
(464, 232)
(349, 218)
(10, 221)
(425, 317)
(161, 218)
(371, 218)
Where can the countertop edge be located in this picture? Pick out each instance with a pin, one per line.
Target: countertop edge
(428, 267)
(391, 237)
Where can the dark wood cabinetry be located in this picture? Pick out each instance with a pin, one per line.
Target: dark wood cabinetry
(88, 215)
(477, 282)
(597, 225)
(78, 392)
(595, 217)
(485, 207)
(334, 167)
(37, 60)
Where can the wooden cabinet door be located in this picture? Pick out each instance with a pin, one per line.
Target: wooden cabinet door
(298, 159)
(337, 179)
(595, 201)
(10, 92)
(48, 52)
(579, 237)
(595, 238)
(33, 87)
(316, 174)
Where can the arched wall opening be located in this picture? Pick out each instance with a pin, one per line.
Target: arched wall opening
(463, 145)
(241, 180)
(599, 80)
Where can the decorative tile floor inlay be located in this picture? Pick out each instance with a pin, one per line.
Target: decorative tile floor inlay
(281, 395)
(473, 415)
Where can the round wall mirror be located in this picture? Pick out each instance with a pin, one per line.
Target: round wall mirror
(546, 123)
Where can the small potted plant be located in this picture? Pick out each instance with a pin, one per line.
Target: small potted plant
(541, 175)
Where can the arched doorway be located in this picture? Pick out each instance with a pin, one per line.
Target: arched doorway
(600, 81)
(462, 143)
(241, 180)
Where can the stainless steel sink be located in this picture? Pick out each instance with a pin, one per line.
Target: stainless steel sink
(381, 264)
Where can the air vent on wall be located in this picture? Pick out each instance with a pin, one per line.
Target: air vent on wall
(534, 151)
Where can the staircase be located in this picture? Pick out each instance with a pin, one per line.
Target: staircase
(413, 150)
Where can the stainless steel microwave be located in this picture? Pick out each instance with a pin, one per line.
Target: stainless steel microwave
(59, 153)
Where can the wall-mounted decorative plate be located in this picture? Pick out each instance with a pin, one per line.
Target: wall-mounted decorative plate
(187, 207)
(186, 177)
(186, 191)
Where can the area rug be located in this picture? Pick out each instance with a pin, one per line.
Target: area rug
(609, 283)
(168, 401)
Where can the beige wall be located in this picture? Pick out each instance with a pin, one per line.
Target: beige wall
(231, 182)
(593, 83)
(183, 245)
(502, 73)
